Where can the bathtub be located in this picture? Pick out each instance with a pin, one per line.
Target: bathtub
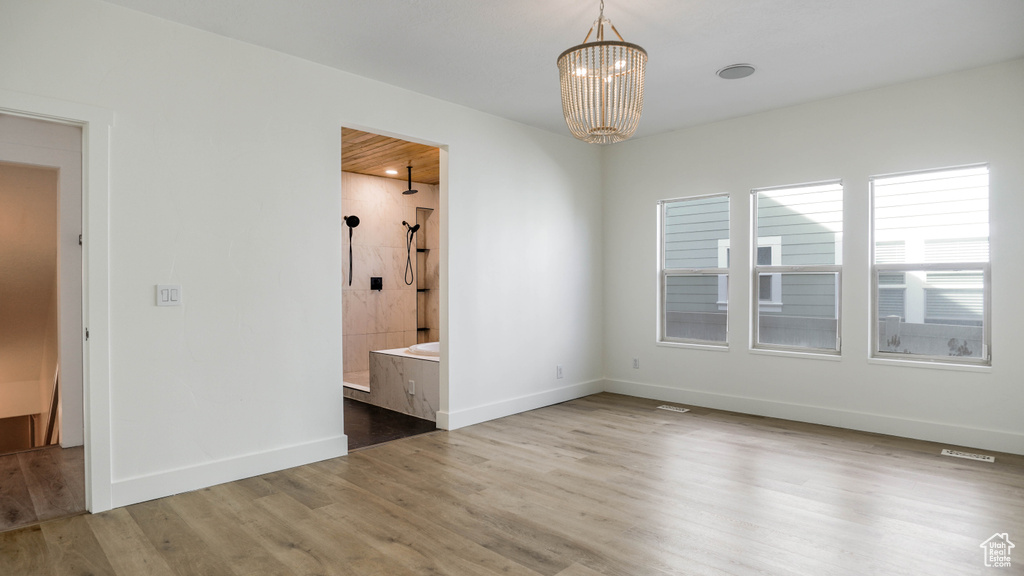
(405, 380)
(431, 349)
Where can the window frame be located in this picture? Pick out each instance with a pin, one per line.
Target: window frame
(985, 268)
(665, 273)
(778, 271)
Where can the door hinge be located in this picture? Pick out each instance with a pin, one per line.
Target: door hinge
(87, 334)
(79, 239)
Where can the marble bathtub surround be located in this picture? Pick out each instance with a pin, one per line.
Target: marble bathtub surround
(389, 377)
(388, 318)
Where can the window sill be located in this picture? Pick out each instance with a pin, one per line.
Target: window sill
(694, 345)
(797, 354)
(907, 363)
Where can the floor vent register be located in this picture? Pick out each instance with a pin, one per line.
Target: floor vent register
(967, 455)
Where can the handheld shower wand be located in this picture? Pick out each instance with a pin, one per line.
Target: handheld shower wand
(410, 233)
(352, 222)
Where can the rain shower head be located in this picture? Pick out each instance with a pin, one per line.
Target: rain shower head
(410, 191)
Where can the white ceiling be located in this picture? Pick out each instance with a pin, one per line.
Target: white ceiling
(499, 57)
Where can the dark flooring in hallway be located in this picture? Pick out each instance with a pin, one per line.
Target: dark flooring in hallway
(368, 425)
(40, 485)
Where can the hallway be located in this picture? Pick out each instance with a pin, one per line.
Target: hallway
(40, 485)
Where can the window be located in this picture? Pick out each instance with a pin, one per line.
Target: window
(692, 271)
(931, 272)
(797, 267)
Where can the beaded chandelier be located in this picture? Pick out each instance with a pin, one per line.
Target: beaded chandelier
(602, 86)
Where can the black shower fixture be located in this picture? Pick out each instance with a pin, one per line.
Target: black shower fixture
(410, 191)
(410, 233)
(351, 222)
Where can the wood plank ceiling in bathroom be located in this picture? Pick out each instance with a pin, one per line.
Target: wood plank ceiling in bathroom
(372, 154)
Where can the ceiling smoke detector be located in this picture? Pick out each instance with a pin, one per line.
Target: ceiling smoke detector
(736, 71)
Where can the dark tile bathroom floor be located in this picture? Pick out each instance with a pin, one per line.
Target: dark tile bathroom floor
(367, 425)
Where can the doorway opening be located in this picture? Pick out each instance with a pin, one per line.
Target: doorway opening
(391, 215)
(42, 457)
(29, 391)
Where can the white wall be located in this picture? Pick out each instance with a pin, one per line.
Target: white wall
(524, 272)
(968, 117)
(224, 170)
(21, 399)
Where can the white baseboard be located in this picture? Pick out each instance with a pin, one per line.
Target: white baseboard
(475, 415)
(918, 429)
(143, 488)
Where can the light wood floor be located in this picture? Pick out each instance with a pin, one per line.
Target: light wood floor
(39, 485)
(601, 485)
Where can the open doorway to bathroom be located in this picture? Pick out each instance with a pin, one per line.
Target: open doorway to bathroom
(390, 198)
(42, 465)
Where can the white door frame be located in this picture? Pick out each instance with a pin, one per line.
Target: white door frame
(97, 124)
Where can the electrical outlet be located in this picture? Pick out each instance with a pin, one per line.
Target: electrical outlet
(412, 387)
(636, 363)
(558, 371)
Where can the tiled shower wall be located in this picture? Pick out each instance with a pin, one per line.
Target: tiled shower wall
(380, 320)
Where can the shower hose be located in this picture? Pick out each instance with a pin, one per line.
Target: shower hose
(409, 276)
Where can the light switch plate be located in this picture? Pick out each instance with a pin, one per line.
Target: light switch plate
(168, 294)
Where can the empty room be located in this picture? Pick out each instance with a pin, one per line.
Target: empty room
(554, 288)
